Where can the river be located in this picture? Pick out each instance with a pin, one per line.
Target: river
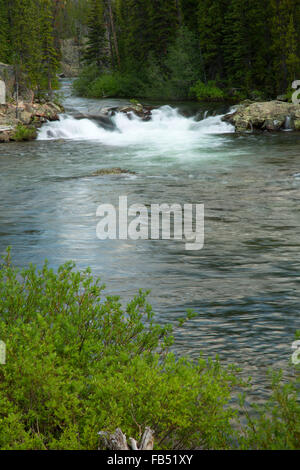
(244, 284)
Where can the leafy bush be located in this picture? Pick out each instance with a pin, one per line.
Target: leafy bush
(77, 363)
(24, 133)
(207, 91)
(91, 85)
(87, 76)
(276, 423)
(108, 85)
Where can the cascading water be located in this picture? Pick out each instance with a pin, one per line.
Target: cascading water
(167, 129)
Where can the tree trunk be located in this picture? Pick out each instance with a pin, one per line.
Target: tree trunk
(113, 30)
(118, 441)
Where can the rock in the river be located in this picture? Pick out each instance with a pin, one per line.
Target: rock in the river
(142, 111)
(112, 171)
(269, 115)
(102, 118)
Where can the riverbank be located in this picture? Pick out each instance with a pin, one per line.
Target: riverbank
(20, 122)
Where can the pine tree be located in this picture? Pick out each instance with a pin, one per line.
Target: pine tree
(163, 25)
(135, 34)
(50, 62)
(5, 45)
(246, 44)
(96, 34)
(285, 41)
(26, 46)
(211, 15)
(183, 64)
(189, 14)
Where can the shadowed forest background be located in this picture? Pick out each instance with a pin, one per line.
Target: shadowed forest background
(177, 49)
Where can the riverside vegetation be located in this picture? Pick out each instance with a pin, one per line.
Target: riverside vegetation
(78, 363)
(191, 49)
(180, 49)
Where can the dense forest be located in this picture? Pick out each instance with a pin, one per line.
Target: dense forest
(173, 49)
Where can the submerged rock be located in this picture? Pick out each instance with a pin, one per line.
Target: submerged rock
(112, 171)
(269, 115)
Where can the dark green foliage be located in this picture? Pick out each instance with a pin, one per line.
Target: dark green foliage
(5, 46)
(95, 53)
(91, 85)
(78, 363)
(211, 37)
(27, 42)
(24, 133)
(275, 424)
(244, 45)
(285, 24)
(207, 91)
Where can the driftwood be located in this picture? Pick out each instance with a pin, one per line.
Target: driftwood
(118, 441)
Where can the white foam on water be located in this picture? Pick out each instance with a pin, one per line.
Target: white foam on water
(167, 130)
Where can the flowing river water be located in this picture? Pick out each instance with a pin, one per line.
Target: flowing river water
(244, 284)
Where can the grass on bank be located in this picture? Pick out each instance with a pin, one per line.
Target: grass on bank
(78, 363)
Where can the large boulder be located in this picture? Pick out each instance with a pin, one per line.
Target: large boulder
(269, 115)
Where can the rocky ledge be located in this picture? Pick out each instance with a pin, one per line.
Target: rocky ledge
(104, 117)
(265, 116)
(21, 122)
(142, 111)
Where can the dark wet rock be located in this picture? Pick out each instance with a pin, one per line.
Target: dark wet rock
(103, 119)
(142, 111)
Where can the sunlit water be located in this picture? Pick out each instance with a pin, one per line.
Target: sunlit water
(244, 284)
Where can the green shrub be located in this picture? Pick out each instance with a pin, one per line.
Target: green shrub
(24, 133)
(91, 85)
(87, 76)
(108, 85)
(276, 423)
(207, 91)
(77, 364)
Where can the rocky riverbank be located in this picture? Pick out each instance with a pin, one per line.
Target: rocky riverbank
(18, 123)
(265, 116)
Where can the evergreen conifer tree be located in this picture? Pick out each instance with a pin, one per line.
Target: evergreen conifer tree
(96, 34)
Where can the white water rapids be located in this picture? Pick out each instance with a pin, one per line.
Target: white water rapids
(166, 129)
